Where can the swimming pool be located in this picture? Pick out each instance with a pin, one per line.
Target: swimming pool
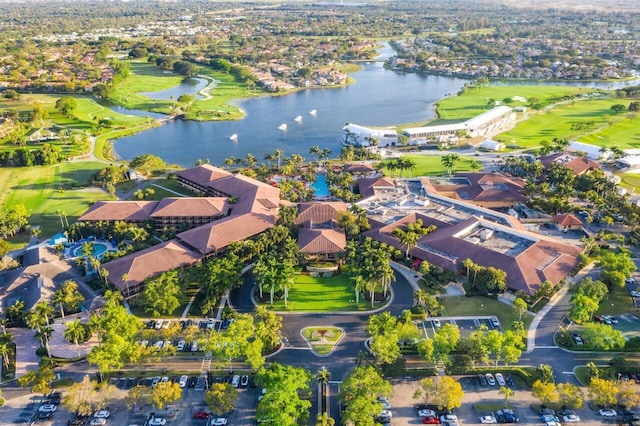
(320, 187)
(98, 250)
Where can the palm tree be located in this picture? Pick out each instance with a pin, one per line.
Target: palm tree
(74, 332)
(3, 325)
(43, 334)
(6, 348)
(475, 165)
(450, 161)
(386, 277)
(113, 298)
(43, 311)
(315, 150)
(268, 157)
(325, 420)
(359, 284)
(278, 154)
(63, 218)
(470, 265)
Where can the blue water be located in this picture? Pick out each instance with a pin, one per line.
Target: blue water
(320, 187)
(98, 250)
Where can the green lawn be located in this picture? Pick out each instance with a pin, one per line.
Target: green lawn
(430, 165)
(322, 295)
(630, 181)
(45, 189)
(482, 306)
(616, 303)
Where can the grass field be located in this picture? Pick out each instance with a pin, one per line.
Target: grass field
(630, 181)
(482, 306)
(322, 295)
(430, 165)
(45, 189)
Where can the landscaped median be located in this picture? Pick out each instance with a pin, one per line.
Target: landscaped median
(322, 340)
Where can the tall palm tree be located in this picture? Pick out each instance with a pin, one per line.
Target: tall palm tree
(44, 333)
(6, 349)
(3, 325)
(74, 332)
(359, 284)
(113, 298)
(44, 311)
(315, 150)
(278, 154)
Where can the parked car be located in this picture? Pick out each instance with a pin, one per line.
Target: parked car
(488, 420)
(495, 322)
(102, 414)
(482, 380)
(166, 324)
(490, 380)
(158, 324)
(210, 323)
(550, 418)
(48, 408)
(201, 415)
(426, 413)
(500, 379)
(436, 323)
(183, 381)
(607, 412)
(384, 401)
(98, 422)
(157, 421)
(430, 420)
(180, 346)
(570, 418)
(244, 381)
(155, 381)
(577, 339)
(164, 379)
(235, 382)
(220, 421)
(510, 381)
(507, 416)
(634, 293)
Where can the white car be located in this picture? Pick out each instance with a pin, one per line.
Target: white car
(449, 418)
(164, 380)
(384, 402)
(210, 324)
(157, 421)
(166, 324)
(634, 293)
(158, 325)
(426, 413)
(220, 421)
(500, 379)
(490, 379)
(180, 346)
(183, 381)
(386, 413)
(47, 408)
(98, 422)
(102, 414)
(570, 418)
(235, 382)
(607, 412)
(155, 381)
(488, 420)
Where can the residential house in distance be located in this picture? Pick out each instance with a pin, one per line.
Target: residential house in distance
(491, 190)
(320, 236)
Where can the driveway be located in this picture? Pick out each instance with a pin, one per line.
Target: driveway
(26, 346)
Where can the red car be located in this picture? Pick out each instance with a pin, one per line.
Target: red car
(201, 415)
(430, 420)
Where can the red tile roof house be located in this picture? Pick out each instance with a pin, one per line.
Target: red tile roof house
(489, 190)
(567, 222)
(237, 208)
(579, 165)
(528, 259)
(320, 236)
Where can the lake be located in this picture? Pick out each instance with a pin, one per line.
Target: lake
(378, 97)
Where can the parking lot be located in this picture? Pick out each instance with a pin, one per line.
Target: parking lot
(466, 324)
(404, 412)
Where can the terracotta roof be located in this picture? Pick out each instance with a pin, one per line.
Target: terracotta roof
(367, 185)
(203, 174)
(219, 234)
(191, 207)
(481, 187)
(321, 241)
(358, 168)
(128, 211)
(315, 213)
(566, 220)
(149, 262)
(579, 165)
(446, 247)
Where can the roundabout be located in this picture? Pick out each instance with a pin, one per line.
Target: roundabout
(322, 340)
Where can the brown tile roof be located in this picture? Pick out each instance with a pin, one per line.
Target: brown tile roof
(482, 187)
(191, 207)
(219, 234)
(358, 168)
(315, 213)
(129, 211)
(367, 185)
(149, 262)
(321, 241)
(566, 220)
(579, 165)
(203, 174)
(543, 260)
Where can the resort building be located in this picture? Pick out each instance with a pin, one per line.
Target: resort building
(234, 208)
(488, 122)
(362, 136)
(491, 190)
(320, 237)
(466, 231)
(579, 165)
